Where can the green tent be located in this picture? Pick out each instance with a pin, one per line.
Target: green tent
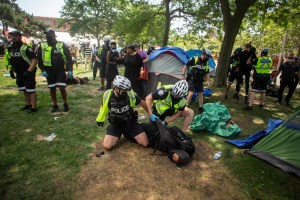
(282, 146)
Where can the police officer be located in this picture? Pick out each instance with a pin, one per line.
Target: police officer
(234, 72)
(288, 70)
(53, 57)
(261, 77)
(195, 77)
(21, 59)
(118, 103)
(169, 100)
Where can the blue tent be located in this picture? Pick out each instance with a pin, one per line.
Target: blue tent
(180, 53)
(196, 52)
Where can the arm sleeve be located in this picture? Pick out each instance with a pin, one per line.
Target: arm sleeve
(68, 57)
(191, 62)
(40, 59)
(139, 60)
(30, 53)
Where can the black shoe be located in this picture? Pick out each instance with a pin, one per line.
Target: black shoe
(235, 95)
(26, 107)
(261, 106)
(246, 100)
(200, 110)
(226, 97)
(32, 110)
(66, 107)
(54, 108)
(248, 108)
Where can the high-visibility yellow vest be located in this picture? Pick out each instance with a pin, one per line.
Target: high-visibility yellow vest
(263, 65)
(196, 60)
(105, 100)
(163, 105)
(47, 53)
(23, 54)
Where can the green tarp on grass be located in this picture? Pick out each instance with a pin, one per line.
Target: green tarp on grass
(215, 119)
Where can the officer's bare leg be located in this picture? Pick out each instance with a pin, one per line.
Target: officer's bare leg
(109, 142)
(63, 93)
(27, 98)
(200, 99)
(142, 139)
(189, 98)
(53, 95)
(228, 88)
(32, 97)
(251, 100)
(187, 115)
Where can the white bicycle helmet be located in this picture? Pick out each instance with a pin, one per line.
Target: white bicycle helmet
(207, 52)
(180, 89)
(122, 82)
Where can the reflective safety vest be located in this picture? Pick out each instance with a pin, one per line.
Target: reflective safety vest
(23, 54)
(235, 63)
(196, 60)
(263, 65)
(163, 105)
(47, 51)
(105, 100)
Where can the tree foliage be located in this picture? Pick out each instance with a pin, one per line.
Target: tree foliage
(12, 15)
(90, 17)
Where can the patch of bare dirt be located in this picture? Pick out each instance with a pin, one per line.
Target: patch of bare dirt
(130, 172)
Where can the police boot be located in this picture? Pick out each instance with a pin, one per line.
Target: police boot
(200, 110)
(66, 107)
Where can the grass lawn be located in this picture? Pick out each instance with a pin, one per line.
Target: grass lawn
(66, 168)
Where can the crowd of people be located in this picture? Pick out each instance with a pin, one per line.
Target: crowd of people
(123, 93)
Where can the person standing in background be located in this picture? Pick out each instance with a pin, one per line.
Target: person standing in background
(87, 56)
(133, 62)
(145, 59)
(53, 56)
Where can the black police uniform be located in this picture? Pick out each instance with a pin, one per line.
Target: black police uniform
(25, 80)
(195, 76)
(122, 118)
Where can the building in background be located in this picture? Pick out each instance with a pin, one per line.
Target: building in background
(53, 23)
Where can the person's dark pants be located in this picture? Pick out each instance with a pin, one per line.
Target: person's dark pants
(240, 82)
(283, 83)
(96, 66)
(108, 84)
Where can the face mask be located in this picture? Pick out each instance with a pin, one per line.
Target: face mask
(113, 50)
(290, 61)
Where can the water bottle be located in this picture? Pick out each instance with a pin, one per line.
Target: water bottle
(218, 155)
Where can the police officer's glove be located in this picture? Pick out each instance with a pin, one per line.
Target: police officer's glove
(70, 74)
(164, 123)
(100, 124)
(153, 117)
(45, 74)
(12, 74)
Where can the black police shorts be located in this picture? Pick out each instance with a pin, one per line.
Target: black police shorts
(129, 131)
(102, 70)
(233, 76)
(26, 83)
(260, 83)
(56, 78)
(195, 87)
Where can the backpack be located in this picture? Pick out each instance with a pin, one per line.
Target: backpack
(183, 142)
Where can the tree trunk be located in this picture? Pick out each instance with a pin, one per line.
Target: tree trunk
(168, 23)
(232, 25)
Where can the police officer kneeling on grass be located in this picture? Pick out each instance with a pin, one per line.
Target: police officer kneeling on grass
(21, 59)
(118, 103)
(170, 101)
